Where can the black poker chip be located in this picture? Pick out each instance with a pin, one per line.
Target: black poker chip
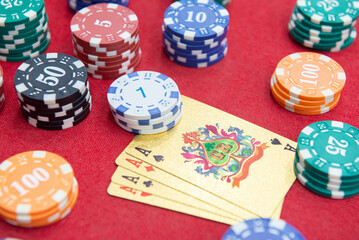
(53, 91)
(59, 116)
(64, 122)
(51, 78)
(66, 125)
(42, 111)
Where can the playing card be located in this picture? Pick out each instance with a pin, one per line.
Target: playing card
(143, 197)
(239, 162)
(170, 181)
(130, 179)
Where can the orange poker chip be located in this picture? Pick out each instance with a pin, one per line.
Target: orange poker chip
(34, 183)
(26, 219)
(303, 110)
(52, 218)
(310, 76)
(298, 106)
(295, 100)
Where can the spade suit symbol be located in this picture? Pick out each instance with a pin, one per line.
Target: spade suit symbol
(275, 141)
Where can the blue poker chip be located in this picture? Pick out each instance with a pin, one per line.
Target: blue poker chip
(174, 44)
(196, 42)
(263, 228)
(172, 48)
(194, 20)
(196, 57)
(198, 63)
(77, 5)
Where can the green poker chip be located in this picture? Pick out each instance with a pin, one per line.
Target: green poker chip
(27, 31)
(23, 26)
(28, 55)
(322, 182)
(36, 46)
(322, 191)
(5, 49)
(27, 34)
(326, 40)
(317, 33)
(17, 12)
(306, 30)
(320, 27)
(329, 12)
(23, 42)
(331, 149)
(333, 47)
(24, 30)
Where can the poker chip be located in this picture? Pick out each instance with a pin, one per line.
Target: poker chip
(2, 94)
(38, 188)
(53, 91)
(145, 102)
(326, 159)
(307, 83)
(324, 26)
(106, 39)
(76, 5)
(262, 228)
(26, 35)
(224, 3)
(194, 32)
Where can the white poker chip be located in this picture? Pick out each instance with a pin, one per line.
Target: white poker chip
(143, 95)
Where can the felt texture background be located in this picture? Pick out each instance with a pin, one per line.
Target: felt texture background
(239, 84)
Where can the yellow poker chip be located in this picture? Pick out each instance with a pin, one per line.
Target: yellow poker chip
(35, 187)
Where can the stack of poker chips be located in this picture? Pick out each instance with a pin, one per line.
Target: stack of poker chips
(224, 3)
(53, 91)
(38, 188)
(326, 160)
(76, 5)
(324, 26)
(145, 102)
(24, 30)
(307, 83)
(2, 94)
(263, 228)
(194, 32)
(106, 40)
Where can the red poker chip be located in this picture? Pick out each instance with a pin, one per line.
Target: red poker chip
(108, 53)
(117, 73)
(109, 63)
(104, 25)
(125, 64)
(117, 47)
(108, 77)
(106, 59)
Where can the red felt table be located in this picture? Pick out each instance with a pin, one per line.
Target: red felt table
(239, 84)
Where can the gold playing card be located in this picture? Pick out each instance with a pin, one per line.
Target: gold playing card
(239, 162)
(135, 174)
